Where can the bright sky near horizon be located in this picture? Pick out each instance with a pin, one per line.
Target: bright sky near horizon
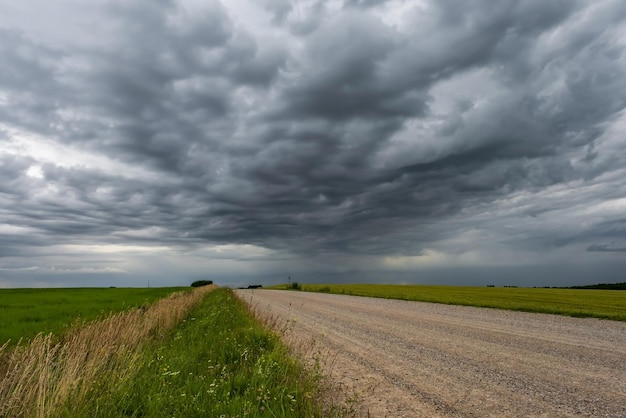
(244, 141)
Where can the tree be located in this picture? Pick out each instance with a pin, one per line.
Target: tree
(199, 283)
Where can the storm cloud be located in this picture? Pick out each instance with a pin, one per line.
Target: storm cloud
(398, 141)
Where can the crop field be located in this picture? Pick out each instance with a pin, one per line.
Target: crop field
(28, 312)
(606, 304)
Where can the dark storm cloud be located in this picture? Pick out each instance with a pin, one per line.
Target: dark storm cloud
(341, 78)
(349, 135)
(169, 80)
(27, 77)
(360, 82)
(610, 248)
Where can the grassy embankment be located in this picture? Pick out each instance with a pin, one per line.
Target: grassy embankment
(606, 304)
(191, 354)
(28, 312)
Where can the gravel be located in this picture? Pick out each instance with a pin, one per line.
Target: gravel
(412, 359)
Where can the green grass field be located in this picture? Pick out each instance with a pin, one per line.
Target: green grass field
(27, 312)
(607, 304)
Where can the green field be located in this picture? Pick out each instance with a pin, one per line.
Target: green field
(607, 304)
(27, 312)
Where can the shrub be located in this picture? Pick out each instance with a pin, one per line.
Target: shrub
(199, 283)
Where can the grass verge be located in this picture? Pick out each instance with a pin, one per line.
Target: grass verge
(220, 362)
(42, 378)
(28, 312)
(605, 304)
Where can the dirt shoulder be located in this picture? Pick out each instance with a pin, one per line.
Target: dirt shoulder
(412, 359)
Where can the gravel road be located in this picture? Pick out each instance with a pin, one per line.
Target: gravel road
(414, 359)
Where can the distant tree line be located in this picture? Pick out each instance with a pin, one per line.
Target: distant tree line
(605, 286)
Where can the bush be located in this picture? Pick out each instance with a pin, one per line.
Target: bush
(295, 286)
(199, 283)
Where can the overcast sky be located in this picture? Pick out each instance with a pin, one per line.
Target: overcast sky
(455, 142)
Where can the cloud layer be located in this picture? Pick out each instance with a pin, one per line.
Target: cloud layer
(358, 139)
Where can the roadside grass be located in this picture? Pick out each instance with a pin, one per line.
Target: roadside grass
(605, 304)
(221, 362)
(28, 312)
(42, 377)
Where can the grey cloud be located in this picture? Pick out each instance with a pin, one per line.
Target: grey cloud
(341, 75)
(363, 3)
(29, 75)
(609, 248)
(510, 144)
(363, 139)
(164, 91)
(280, 9)
(26, 64)
(308, 17)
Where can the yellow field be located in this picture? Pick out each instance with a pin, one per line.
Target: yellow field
(608, 304)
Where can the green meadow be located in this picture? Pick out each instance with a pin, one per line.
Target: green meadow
(28, 312)
(606, 304)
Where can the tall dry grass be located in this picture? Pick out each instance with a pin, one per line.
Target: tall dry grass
(38, 379)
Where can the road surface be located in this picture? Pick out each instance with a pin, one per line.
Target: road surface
(414, 359)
